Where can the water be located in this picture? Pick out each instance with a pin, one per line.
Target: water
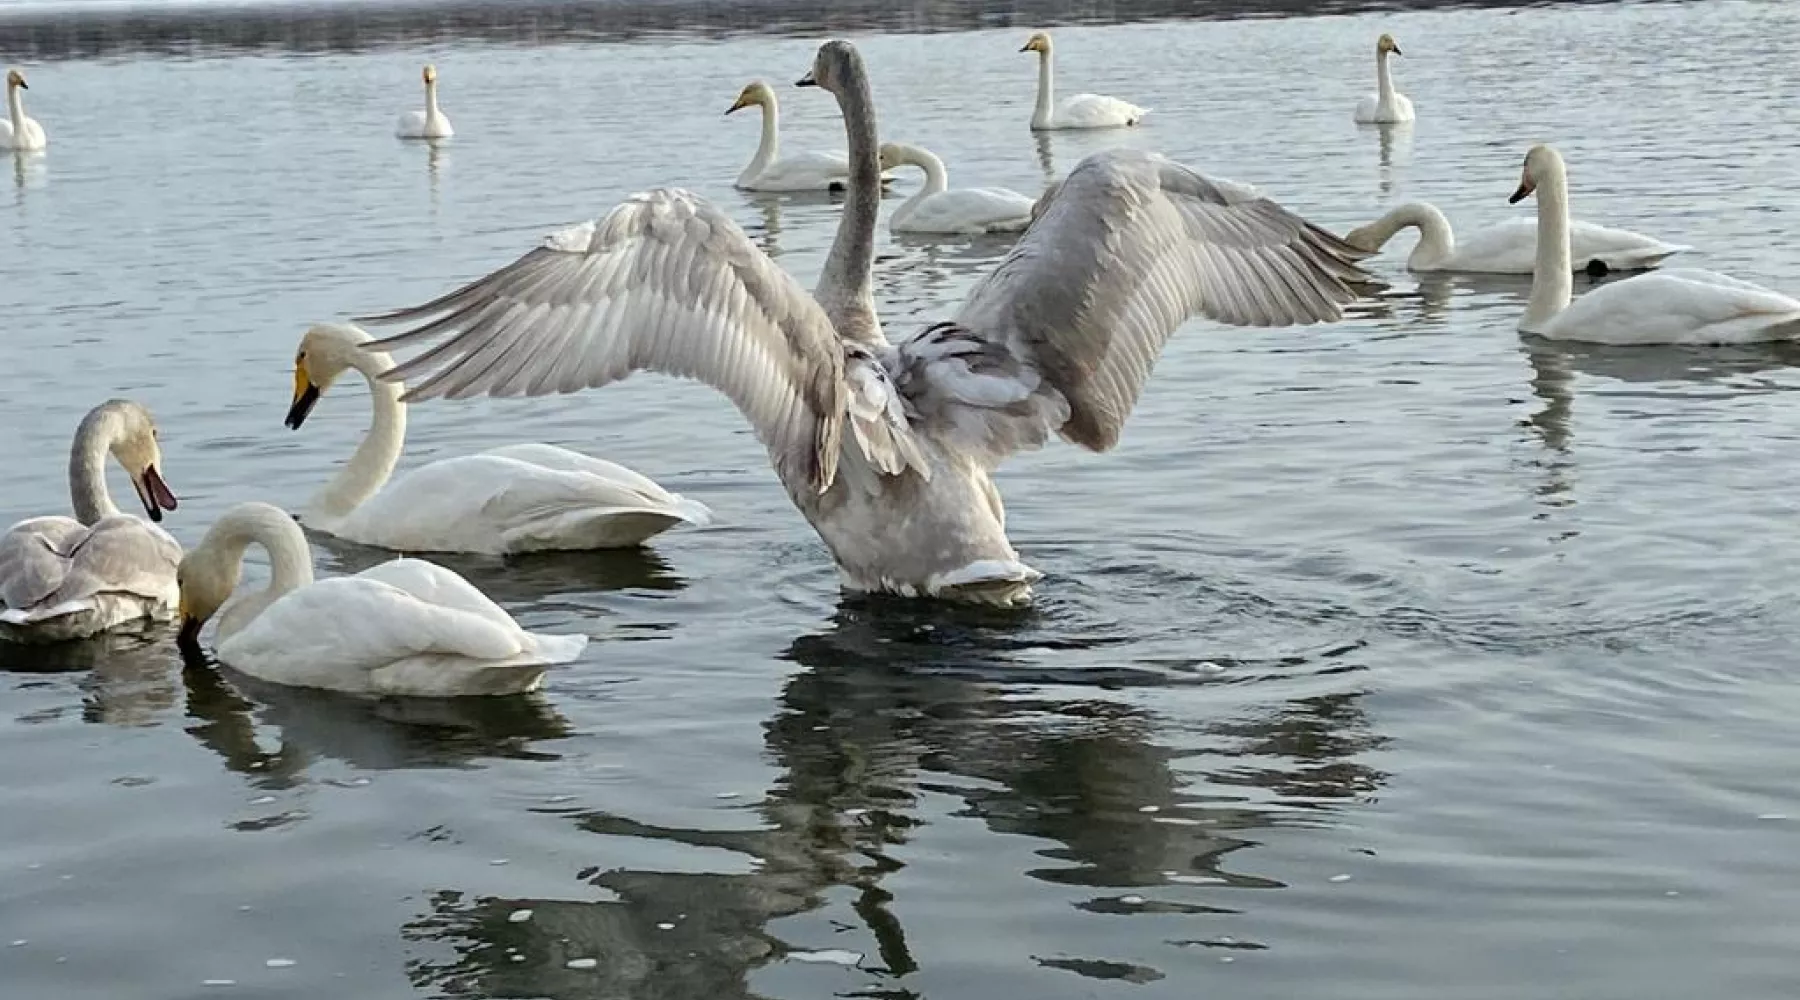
(1398, 658)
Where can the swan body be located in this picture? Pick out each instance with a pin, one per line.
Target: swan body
(430, 123)
(1508, 247)
(64, 578)
(937, 209)
(888, 448)
(1387, 106)
(405, 627)
(1082, 111)
(20, 132)
(1673, 306)
(506, 500)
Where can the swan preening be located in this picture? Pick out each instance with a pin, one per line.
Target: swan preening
(404, 627)
(1675, 306)
(1508, 247)
(73, 577)
(938, 209)
(1386, 106)
(19, 132)
(511, 499)
(888, 448)
(429, 123)
(1080, 111)
(768, 170)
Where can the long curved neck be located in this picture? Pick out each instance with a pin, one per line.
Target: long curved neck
(15, 109)
(844, 284)
(374, 459)
(88, 496)
(1046, 99)
(290, 561)
(431, 105)
(770, 146)
(937, 179)
(1384, 79)
(1436, 240)
(1552, 281)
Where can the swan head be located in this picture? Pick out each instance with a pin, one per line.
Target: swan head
(430, 74)
(835, 67)
(1038, 42)
(754, 93)
(134, 446)
(205, 579)
(325, 351)
(1541, 163)
(892, 155)
(1386, 44)
(14, 78)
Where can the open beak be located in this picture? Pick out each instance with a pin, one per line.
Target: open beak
(305, 395)
(1525, 189)
(154, 493)
(806, 81)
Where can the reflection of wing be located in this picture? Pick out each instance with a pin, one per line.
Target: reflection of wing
(52, 562)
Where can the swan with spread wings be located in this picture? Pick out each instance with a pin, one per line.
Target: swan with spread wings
(889, 448)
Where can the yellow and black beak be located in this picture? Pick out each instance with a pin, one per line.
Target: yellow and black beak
(305, 395)
(740, 104)
(806, 81)
(154, 493)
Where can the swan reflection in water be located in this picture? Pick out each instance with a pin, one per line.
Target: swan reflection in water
(897, 703)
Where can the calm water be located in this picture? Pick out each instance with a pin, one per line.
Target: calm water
(1399, 658)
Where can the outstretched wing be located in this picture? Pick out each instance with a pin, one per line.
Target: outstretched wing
(1062, 334)
(665, 282)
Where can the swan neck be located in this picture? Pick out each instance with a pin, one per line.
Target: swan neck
(1046, 95)
(1384, 79)
(937, 179)
(844, 284)
(88, 496)
(15, 109)
(769, 148)
(290, 561)
(374, 459)
(1551, 282)
(1436, 240)
(431, 104)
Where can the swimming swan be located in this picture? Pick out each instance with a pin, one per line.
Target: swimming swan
(429, 123)
(888, 449)
(67, 578)
(1674, 306)
(1386, 106)
(934, 209)
(1508, 247)
(515, 498)
(18, 132)
(1080, 111)
(768, 170)
(405, 627)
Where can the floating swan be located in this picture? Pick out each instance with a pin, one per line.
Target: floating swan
(768, 170)
(73, 577)
(1386, 106)
(1080, 111)
(18, 132)
(429, 123)
(1674, 306)
(516, 498)
(1508, 247)
(888, 449)
(405, 627)
(965, 210)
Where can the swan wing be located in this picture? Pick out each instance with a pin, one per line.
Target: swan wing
(1098, 110)
(51, 561)
(1061, 335)
(1677, 306)
(551, 456)
(665, 282)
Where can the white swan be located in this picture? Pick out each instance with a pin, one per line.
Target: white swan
(511, 499)
(934, 209)
(67, 578)
(19, 132)
(405, 627)
(1508, 247)
(888, 449)
(1386, 106)
(768, 170)
(1080, 111)
(429, 123)
(1674, 306)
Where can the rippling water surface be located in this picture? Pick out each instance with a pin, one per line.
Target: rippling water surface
(1404, 657)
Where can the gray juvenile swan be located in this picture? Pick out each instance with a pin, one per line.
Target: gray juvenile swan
(889, 448)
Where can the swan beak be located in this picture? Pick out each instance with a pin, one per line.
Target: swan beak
(305, 395)
(24, 86)
(187, 639)
(806, 81)
(739, 106)
(1025, 48)
(1395, 49)
(1526, 186)
(154, 493)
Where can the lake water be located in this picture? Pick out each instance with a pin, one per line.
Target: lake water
(1400, 658)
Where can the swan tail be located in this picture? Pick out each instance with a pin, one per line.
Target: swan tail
(437, 676)
(551, 650)
(36, 615)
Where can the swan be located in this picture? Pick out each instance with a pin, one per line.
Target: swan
(1674, 306)
(1508, 247)
(768, 170)
(406, 627)
(506, 500)
(965, 210)
(1080, 111)
(67, 578)
(19, 132)
(429, 123)
(888, 448)
(1386, 106)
